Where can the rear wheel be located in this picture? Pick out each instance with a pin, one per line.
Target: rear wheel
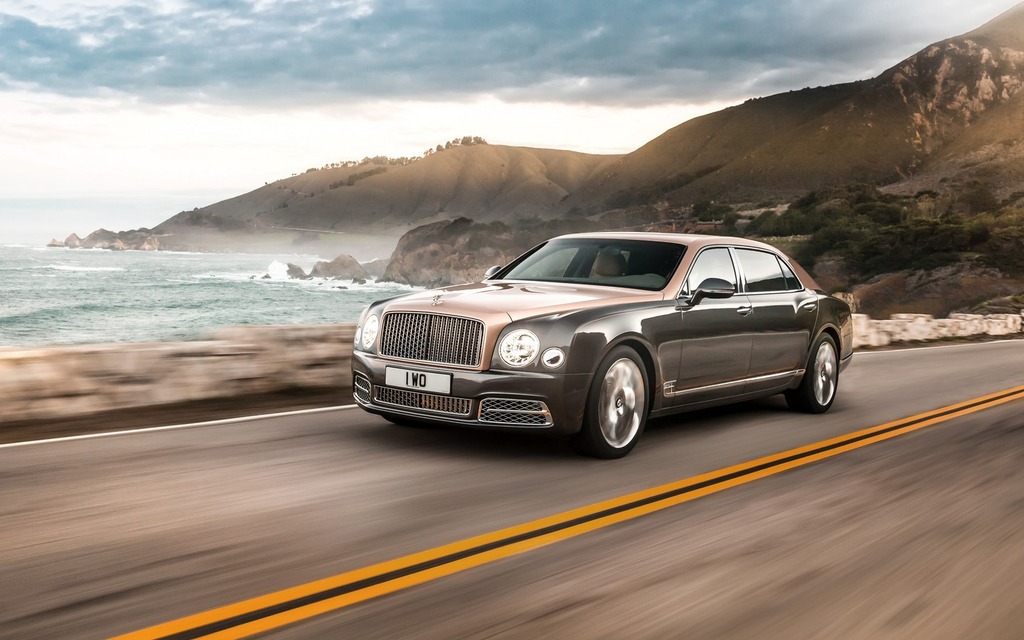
(616, 406)
(818, 388)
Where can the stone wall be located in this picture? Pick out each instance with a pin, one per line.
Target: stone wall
(50, 382)
(910, 327)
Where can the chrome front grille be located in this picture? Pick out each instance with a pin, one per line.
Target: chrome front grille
(430, 337)
(512, 411)
(433, 403)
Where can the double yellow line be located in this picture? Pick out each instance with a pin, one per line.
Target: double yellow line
(304, 601)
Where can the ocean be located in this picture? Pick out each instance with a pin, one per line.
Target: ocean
(82, 296)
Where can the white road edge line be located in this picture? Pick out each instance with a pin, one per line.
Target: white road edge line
(191, 425)
(213, 423)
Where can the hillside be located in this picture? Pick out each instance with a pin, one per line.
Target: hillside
(487, 182)
(936, 109)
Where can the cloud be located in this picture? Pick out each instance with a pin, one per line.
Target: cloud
(628, 52)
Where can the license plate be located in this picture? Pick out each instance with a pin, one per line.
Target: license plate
(418, 380)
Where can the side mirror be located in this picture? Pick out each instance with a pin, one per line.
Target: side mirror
(714, 288)
(490, 273)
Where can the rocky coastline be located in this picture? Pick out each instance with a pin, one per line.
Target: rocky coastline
(136, 240)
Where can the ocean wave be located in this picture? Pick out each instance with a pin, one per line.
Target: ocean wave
(68, 267)
(277, 270)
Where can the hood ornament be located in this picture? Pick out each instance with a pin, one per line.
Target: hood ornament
(437, 300)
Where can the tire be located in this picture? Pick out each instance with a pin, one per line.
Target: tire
(818, 388)
(616, 406)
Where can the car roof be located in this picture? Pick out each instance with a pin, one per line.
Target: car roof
(688, 239)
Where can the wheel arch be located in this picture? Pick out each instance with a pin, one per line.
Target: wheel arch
(833, 333)
(643, 350)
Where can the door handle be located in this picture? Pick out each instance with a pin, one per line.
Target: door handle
(809, 306)
(745, 310)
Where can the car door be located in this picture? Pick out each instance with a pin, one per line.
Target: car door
(716, 335)
(783, 316)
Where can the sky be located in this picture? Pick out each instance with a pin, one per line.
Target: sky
(120, 113)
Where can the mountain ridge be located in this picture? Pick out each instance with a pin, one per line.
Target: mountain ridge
(950, 114)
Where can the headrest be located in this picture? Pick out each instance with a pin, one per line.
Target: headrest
(610, 264)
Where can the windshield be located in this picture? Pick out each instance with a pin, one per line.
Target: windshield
(637, 264)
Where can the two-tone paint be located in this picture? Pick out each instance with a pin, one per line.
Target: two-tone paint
(693, 355)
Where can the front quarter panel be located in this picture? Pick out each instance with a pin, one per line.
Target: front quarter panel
(652, 328)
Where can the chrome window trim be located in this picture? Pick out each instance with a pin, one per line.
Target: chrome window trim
(735, 268)
(785, 264)
(739, 267)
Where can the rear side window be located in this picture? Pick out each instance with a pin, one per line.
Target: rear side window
(762, 271)
(792, 282)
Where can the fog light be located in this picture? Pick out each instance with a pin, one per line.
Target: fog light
(553, 358)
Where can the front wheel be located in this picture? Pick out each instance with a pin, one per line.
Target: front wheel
(616, 406)
(818, 387)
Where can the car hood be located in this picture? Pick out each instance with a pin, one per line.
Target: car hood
(517, 300)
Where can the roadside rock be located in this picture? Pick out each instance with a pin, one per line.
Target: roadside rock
(344, 267)
(461, 250)
(447, 252)
(937, 292)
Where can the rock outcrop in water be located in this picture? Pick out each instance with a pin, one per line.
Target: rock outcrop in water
(344, 267)
(376, 268)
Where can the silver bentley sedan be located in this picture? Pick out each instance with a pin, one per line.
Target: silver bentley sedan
(588, 335)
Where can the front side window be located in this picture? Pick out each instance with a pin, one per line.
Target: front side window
(761, 270)
(711, 263)
(637, 264)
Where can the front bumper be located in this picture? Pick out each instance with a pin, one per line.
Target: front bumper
(497, 399)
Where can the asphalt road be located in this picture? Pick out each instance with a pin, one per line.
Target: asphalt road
(919, 536)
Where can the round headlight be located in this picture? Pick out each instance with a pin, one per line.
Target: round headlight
(519, 348)
(370, 332)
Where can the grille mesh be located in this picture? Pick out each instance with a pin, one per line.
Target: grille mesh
(423, 401)
(514, 411)
(429, 337)
(361, 389)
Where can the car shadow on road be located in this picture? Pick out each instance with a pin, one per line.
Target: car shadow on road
(715, 417)
(486, 444)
